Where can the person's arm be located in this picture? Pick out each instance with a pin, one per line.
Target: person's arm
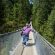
(21, 33)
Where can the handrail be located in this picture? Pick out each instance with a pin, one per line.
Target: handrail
(8, 42)
(48, 43)
(45, 41)
(11, 32)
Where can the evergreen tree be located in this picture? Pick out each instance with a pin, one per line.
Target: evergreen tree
(42, 13)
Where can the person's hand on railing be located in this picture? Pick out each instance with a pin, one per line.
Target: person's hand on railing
(33, 31)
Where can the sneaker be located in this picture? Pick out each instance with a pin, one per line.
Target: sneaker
(26, 43)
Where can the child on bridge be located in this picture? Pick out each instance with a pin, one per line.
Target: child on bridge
(25, 33)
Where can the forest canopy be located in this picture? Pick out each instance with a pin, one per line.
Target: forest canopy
(14, 14)
(44, 18)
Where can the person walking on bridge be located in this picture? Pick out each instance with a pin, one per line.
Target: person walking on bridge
(25, 33)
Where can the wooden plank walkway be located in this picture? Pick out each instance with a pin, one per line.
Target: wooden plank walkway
(30, 49)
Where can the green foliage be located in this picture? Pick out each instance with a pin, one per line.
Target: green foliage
(44, 18)
(50, 27)
(13, 14)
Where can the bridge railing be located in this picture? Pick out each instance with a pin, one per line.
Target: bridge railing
(44, 47)
(8, 42)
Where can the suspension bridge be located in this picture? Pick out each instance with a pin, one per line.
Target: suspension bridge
(11, 44)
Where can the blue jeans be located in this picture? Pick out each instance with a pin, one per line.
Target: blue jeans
(25, 38)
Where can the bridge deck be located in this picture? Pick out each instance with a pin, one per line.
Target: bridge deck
(30, 48)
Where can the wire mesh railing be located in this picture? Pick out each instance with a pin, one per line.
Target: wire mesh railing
(8, 42)
(43, 46)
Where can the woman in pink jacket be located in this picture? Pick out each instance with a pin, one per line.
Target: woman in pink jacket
(25, 33)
